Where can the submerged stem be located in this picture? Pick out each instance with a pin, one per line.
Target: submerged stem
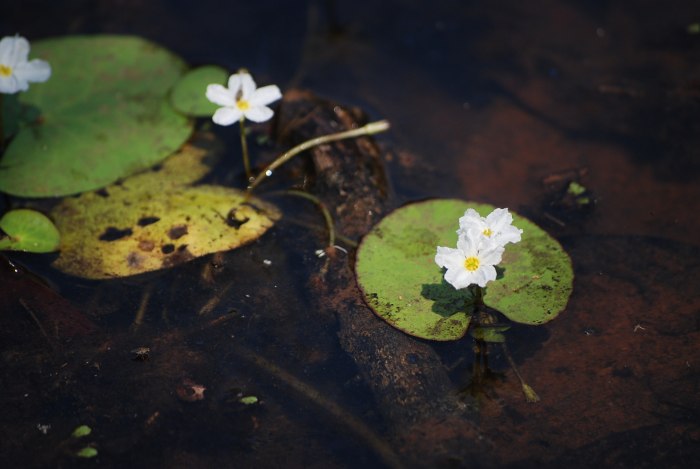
(530, 393)
(324, 210)
(244, 148)
(369, 129)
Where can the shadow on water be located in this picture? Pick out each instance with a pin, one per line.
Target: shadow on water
(229, 360)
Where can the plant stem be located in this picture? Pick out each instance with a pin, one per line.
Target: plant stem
(369, 129)
(244, 148)
(530, 393)
(324, 210)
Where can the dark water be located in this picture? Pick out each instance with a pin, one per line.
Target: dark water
(501, 103)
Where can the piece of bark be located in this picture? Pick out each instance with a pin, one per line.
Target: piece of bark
(430, 425)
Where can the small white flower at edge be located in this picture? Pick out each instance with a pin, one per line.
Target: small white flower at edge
(471, 263)
(497, 226)
(242, 99)
(15, 71)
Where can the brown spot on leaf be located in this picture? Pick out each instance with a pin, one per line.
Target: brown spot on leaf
(113, 234)
(145, 221)
(177, 231)
(146, 245)
(134, 260)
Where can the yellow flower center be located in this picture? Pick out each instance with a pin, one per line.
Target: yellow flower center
(5, 71)
(488, 232)
(243, 105)
(471, 263)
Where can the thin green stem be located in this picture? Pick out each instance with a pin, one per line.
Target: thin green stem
(369, 129)
(244, 148)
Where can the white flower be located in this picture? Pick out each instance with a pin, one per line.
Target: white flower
(496, 226)
(471, 263)
(15, 71)
(242, 99)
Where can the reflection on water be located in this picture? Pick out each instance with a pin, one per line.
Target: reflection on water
(504, 104)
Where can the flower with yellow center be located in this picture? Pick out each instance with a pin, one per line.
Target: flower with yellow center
(471, 263)
(16, 72)
(496, 226)
(242, 99)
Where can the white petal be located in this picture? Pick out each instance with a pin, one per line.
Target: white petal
(485, 275)
(226, 116)
(217, 94)
(247, 86)
(11, 84)
(491, 256)
(468, 243)
(470, 216)
(259, 114)
(33, 71)
(459, 278)
(234, 83)
(13, 50)
(510, 235)
(265, 95)
(450, 258)
(499, 219)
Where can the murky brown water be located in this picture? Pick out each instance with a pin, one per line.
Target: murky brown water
(503, 104)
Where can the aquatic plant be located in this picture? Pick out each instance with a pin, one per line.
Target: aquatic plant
(529, 282)
(240, 101)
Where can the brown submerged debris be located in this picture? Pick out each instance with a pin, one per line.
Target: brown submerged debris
(189, 391)
(429, 424)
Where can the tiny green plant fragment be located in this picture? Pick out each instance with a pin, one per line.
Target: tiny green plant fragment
(187, 95)
(396, 271)
(81, 431)
(157, 219)
(28, 230)
(248, 400)
(102, 116)
(87, 452)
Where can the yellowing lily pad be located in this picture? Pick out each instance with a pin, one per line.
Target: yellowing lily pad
(156, 220)
(397, 273)
(102, 115)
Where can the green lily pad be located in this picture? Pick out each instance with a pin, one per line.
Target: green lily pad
(397, 273)
(188, 95)
(28, 230)
(156, 220)
(103, 115)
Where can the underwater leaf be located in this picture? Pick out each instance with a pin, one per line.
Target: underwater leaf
(396, 270)
(492, 335)
(155, 220)
(103, 115)
(188, 95)
(28, 230)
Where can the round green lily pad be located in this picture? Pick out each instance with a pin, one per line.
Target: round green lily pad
(189, 94)
(396, 271)
(28, 230)
(103, 115)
